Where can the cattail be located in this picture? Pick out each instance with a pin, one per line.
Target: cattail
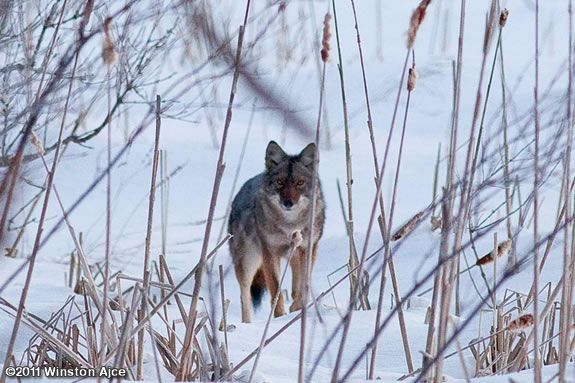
(521, 323)
(408, 227)
(325, 38)
(36, 142)
(416, 19)
(412, 79)
(435, 223)
(109, 49)
(503, 17)
(502, 249)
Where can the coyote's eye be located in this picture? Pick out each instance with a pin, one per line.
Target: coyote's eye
(279, 182)
(300, 182)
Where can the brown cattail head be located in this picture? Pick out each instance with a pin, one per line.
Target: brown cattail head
(503, 17)
(325, 38)
(109, 49)
(416, 19)
(408, 227)
(521, 323)
(37, 144)
(412, 79)
(502, 249)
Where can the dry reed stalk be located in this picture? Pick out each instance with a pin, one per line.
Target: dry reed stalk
(435, 221)
(537, 357)
(125, 341)
(353, 259)
(164, 198)
(512, 260)
(108, 54)
(171, 282)
(185, 361)
(568, 253)
(159, 285)
(326, 34)
(154, 347)
(148, 240)
(224, 307)
(14, 248)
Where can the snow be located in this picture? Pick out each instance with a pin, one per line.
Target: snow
(189, 145)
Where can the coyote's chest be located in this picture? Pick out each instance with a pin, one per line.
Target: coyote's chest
(276, 226)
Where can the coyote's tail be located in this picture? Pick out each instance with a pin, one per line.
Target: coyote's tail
(258, 288)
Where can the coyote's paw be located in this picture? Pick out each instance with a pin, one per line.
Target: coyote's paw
(295, 306)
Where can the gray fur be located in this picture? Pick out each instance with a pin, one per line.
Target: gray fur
(268, 209)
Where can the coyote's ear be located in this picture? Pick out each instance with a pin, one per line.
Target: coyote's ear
(274, 154)
(308, 155)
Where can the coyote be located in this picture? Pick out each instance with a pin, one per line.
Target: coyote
(265, 213)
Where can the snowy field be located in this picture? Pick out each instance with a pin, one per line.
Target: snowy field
(190, 150)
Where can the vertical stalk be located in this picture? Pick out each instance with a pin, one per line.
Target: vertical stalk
(315, 192)
(536, 355)
(147, 248)
(353, 259)
(567, 293)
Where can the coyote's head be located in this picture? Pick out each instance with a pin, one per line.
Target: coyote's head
(288, 179)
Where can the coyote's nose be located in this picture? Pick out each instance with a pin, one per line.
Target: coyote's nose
(287, 204)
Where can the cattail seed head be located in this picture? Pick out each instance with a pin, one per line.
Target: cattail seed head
(502, 249)
(412, 79)
(325, 38)
(521, 323)
(109, 48)
(416, 19)
(435, 223)
(503, 17)
(37, 144)
(408, 227)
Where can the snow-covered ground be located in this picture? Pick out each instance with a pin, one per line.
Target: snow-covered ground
(188, 144)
